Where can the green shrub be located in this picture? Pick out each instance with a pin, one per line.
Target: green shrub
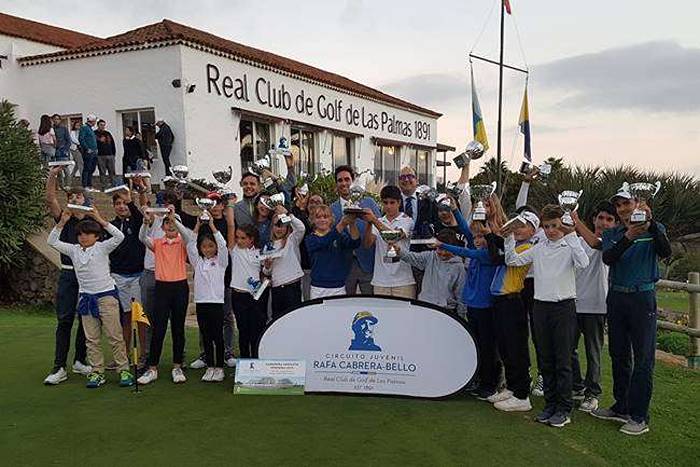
(21, 185)
(673, 342)
(682, 265)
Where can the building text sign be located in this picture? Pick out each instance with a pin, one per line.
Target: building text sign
(313, 103)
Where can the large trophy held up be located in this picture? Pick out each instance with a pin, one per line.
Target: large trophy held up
(642, 193)
(357, 192)
(205, 204)
(568, 200)
(482, 193)
(223, 177)
(473, 151)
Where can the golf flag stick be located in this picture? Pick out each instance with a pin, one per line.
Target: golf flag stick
(137, 316)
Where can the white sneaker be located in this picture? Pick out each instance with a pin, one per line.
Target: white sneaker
(148, 377)
(56, 377)
(589, 403)
(198, 364)
(218, 375)
(230, 362)
(538, 387)
(514, 405)
(500, 396)
(208, 375)
(178, 375)
(81, 369)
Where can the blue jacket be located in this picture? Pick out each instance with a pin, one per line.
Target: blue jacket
(365, 256)
(63, 141)
(480, 271)
(87, 139)
(326, 270)
(634, 263)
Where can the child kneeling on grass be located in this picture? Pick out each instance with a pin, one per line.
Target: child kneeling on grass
(554, 263)
(326, 246)
(208, 256)
(98, 298)
(444, 273)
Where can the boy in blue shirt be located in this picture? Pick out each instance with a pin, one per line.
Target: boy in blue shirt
(632, 251)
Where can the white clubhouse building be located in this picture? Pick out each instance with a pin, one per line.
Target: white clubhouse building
(226, 103)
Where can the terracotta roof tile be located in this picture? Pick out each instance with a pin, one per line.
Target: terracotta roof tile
(167, 30)
(39, 32)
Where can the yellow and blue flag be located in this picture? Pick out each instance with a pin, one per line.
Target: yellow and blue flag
(477, 119)
(524, 124)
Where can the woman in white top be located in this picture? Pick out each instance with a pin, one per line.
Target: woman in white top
(75, 149)
(249, 293)
(284, 262)
(208, 256)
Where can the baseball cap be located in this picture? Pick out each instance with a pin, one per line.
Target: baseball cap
(623, 192)
(530, 217)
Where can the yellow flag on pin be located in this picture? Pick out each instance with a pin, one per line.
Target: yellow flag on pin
(138, 315)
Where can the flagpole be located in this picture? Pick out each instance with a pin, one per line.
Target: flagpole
(135, 353)
(499, 186)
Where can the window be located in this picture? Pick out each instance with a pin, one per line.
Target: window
(255, 141)
(302, 147)
(387, 164)
(420, 161)
(143, 121)
(342, 149)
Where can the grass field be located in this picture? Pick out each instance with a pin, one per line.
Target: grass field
(673, 300)
(205, 424)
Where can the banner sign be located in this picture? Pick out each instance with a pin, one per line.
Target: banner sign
(374, 345)
(273, 377)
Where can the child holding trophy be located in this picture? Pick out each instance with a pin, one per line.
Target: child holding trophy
(632, 250)
(171, 295)
(325, 245)
(391, 277)
(554, 262)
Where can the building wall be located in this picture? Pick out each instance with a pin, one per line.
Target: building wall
(212, 121)
(106, 86)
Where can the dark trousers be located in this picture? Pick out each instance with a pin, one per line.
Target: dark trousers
(89, 165)
(528, 296)
(483, 326)
(555, 327)
(210, 317)
(632, 346)
(285, 297)
(251, 316)
(512, 337)
(165, 153)
(66, 306)
(170, 304)
(592, 326)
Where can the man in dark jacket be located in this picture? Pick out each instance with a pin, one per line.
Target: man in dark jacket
(165, 139)
(106, 151)
(63, 141)
(133, 151)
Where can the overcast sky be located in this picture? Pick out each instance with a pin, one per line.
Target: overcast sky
(611, 81)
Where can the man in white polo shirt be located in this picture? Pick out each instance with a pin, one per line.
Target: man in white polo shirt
(391, 277)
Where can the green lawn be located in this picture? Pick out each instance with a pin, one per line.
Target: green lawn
(675, 300)
(205, 424)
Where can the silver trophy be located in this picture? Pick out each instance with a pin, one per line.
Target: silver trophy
(568, 200)
(180, 174)
(426, 193)
(473, 151)
(482, 193)
(444, 202)
(642, 193)
(357, 192)
(263, 169)
(391, 236)
(454, 189)
(223, 177)
(277, 200)
(205, 204)
(303, 183)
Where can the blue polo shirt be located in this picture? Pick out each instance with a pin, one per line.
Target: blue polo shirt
(638, 265)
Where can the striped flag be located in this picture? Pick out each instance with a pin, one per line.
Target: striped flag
(506, 3)
(477, 119)
(524, 124)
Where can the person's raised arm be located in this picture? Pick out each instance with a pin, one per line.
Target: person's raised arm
(464, 227)
(587, 234)
(521, 200)
(229, 213)
(54, 237)
(143, 231)
(514, 258)
(187, 234)
(51, 200)
(465, 197)
(116, 235)
(661, 241)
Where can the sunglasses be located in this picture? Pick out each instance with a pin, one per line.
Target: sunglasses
(407, 177)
